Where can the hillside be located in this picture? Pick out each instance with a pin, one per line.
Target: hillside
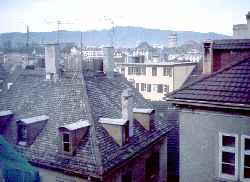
(123, 37)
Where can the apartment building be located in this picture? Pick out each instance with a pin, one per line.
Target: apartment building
(154, 80)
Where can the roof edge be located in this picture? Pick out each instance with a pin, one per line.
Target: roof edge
(209, 104)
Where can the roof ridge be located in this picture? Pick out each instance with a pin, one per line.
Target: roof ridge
(95, 150)
(204, 77)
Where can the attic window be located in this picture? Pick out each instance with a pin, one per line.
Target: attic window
(66, 143)
(71, 135)
(29, 128)
(22, 135)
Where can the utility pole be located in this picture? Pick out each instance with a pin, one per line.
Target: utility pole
(58, 29)
(27, 37)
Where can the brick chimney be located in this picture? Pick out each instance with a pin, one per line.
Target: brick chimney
(52, 61)
(127, 108)
(207, 57)
(108, 64)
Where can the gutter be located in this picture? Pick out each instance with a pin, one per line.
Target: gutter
(209, 104)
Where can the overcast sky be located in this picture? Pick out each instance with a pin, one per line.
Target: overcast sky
(187, 15)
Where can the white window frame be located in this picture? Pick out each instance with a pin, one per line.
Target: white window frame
(63, 142)
(228, 149)
(243, 152)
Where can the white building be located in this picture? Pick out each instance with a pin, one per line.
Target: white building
(154, 80)
(172, 41)
(242, 31)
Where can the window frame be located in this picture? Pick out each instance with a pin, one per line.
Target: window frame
(154, 71)
(70, 147)
(230, 150)
(242, 157)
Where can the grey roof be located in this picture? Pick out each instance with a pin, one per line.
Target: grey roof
(35, 119)
(6, 113)
(231, 44)
(76, 125)
(69, 100)
(229, 87)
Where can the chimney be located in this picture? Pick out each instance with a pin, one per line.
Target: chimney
(207, 57)
(108, 65)
(127, 108)
(52, 61)
(248, 22)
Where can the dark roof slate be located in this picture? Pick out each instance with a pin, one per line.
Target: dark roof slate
(231, 44)
(67, 101)
(228, 85)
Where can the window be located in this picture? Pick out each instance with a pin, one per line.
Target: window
(148, 87)
(160, 88)
(137, 86)
(154, 87)
(137, 70)
(166, 88)
(245, 158)
(152, 167)
(228, 155)
(154, 71)
(143, 87)
(22, 134)
(127, 177)
(167, 71)
(66, 142)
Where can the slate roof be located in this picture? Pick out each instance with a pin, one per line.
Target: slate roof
(231, 44)
(69, 100)
(166, 112)
(229, 87)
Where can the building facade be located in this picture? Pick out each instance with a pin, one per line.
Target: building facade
(154, 80)
(214, 125)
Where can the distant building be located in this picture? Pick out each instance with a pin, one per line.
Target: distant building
(154, 80)
(172, 40)
(242, 31)
(89, 125)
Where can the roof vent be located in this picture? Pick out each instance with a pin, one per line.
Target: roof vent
(71, 135)
(29, 128)
(144, 116)
(117, 128)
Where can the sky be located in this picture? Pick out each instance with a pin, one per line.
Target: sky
(178, 15)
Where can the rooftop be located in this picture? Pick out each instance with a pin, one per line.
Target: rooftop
(231, 44)
(228, 87)
(76, 99)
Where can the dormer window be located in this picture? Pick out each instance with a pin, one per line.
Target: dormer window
(22, 135)
(66, 142)
(144, 116)
(71, 135)
(118, 129)
(29, 128)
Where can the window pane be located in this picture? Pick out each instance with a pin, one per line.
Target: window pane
(65, 137)
(66, 147)
(246, 172)
(247, 144)
(228, 141)
(160, 88)
(228, 169)
(228, 157)
(127, 177)
(247, 161)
